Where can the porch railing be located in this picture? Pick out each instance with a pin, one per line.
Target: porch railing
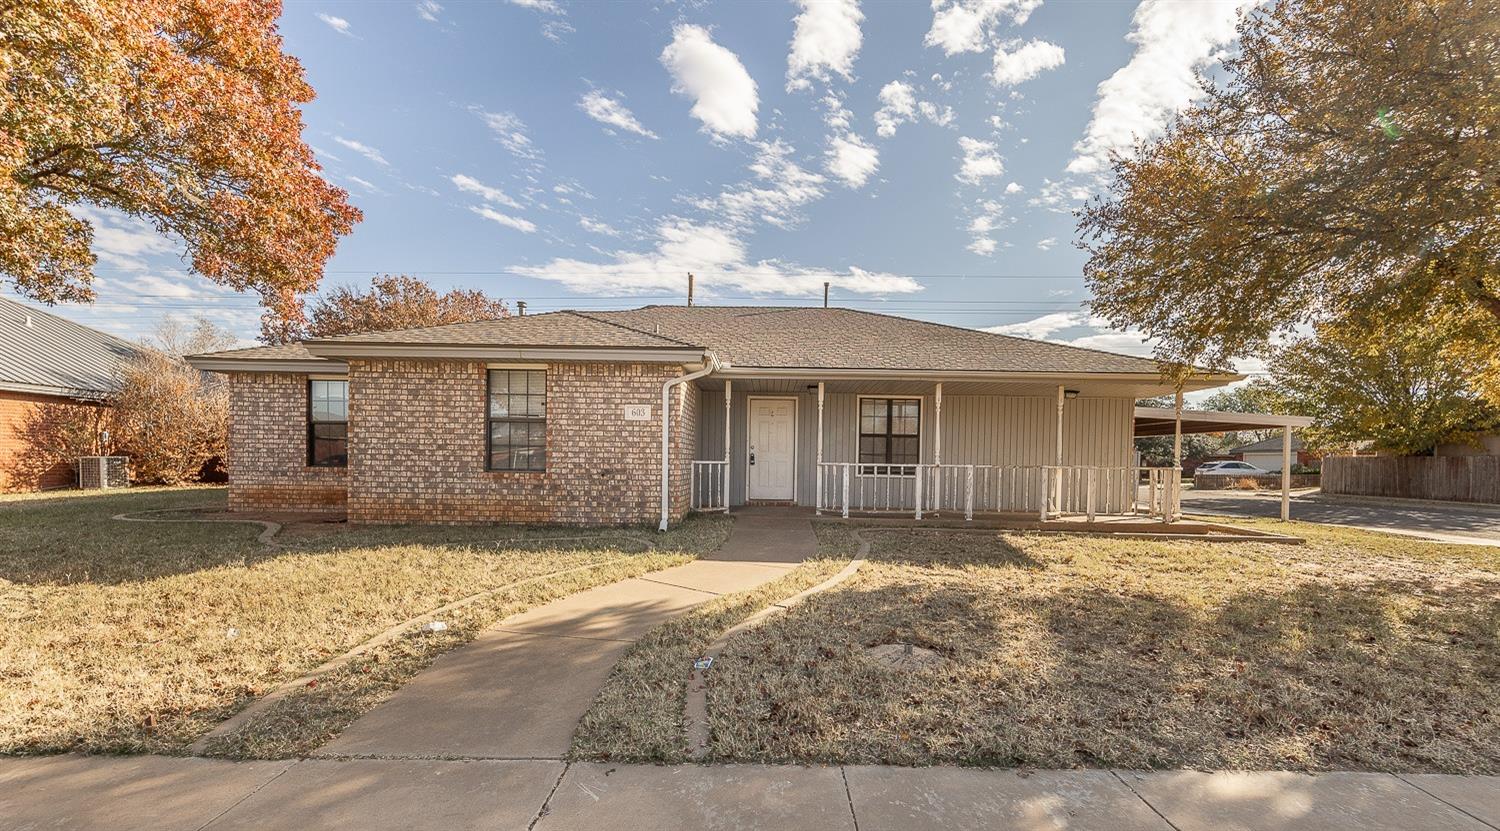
(709, 485)
(1046, 491)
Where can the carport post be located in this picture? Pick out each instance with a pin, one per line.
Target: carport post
(1174, 485)
(1286, 473)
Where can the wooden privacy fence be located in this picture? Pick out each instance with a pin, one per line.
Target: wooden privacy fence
(1454, 478)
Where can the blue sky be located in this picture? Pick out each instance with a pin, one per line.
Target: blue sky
(924, 159)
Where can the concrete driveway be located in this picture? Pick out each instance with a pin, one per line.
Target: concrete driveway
(1445, 522)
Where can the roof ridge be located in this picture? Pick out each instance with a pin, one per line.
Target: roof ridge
(632, 328)
(348, 335)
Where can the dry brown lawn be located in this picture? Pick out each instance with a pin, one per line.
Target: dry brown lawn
(1355, 651)
(131, 637)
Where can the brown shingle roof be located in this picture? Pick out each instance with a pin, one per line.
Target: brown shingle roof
(554, 329)
(800, 337)
(759, 336)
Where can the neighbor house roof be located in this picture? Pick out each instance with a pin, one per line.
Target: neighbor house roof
(1269, 445)
(742, 337)
(50, 355)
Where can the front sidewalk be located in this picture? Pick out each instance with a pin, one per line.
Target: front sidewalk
(168, 793)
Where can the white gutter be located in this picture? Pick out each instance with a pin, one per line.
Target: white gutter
(666, 415)
(745, 372)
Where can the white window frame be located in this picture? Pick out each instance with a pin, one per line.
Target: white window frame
(921, 433)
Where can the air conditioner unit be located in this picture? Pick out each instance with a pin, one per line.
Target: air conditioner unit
(103, 472)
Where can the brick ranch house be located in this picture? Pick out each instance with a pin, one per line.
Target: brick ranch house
(50, 368)
(643, 415)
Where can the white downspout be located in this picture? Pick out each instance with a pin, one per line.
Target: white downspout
(666, 416)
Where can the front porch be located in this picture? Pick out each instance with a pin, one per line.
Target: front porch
(1018, 451)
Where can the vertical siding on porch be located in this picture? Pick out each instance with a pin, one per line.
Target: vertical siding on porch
(977, 429)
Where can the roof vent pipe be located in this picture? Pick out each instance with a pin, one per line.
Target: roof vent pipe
(520, 308)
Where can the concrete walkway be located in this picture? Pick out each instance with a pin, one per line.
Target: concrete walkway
(518, 690)
(185, 794)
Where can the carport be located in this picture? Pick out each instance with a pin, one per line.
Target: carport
(1175, 421)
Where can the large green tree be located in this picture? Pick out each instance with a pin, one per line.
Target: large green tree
(1348, 162)
(184, 113)
(1405, 383)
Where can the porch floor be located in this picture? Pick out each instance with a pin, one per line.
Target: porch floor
(1139, 527)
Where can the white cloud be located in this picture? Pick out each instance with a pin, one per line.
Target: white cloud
(595, 226)
(718, 257)
(364, 183)
(981, 161)
(899, 105)
(714, 247)
(852, 160)
(968, 25)
(123, 241)
(1172, 41)
(468, 184)
(1091, 332)
(1015, 64)
(364, 150)
(781, 188)
(827, 39)
(429, 10)
(510, 131)
(610, 112)
(544, 6)
(522, 225)
(338, 24)
(724, 95)
(1046, 244)
(942, 116)
(1013, 187)
(990, 217)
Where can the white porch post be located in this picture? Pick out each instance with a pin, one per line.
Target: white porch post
(937, 424)
(819, 502)
(937, 446)
(1286, 473)
(1174, 487)
(724, 480)
(1057, 456)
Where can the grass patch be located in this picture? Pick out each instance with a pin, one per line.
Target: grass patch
(140, 637)
(638, 715)
(1358, 651)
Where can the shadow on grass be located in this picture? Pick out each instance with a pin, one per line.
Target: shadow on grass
(938, 547)
(73, 539)
(1306, 677)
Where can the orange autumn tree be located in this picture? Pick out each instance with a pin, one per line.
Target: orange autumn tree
(184, 113)
(394, 301)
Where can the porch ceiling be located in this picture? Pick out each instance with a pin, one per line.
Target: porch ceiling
(1160, 421)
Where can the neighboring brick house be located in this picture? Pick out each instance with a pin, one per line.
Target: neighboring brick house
(558, 418)
(50, 369)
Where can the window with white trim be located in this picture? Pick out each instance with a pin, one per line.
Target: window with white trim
(889, 434)
(517, 419)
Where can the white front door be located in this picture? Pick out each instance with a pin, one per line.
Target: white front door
(773, 448)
